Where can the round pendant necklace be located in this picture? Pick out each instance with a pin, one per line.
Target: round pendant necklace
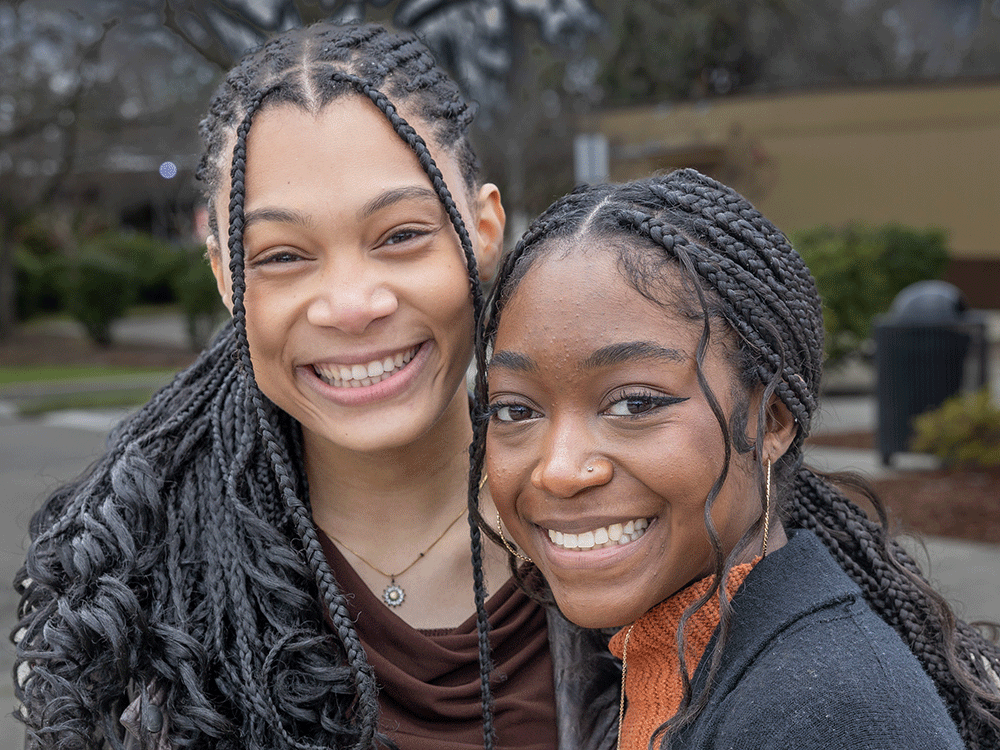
(394, 594)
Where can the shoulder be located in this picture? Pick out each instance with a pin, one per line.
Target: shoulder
(837, 679)
(811, 665)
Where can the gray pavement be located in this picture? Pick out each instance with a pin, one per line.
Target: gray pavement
(36, 455)
(966, 573)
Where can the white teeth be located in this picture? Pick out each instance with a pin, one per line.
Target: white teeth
(607, 536)
(359, 375)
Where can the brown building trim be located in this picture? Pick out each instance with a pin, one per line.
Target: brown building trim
(979, 280)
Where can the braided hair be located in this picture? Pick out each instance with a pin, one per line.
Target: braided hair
(185, 562)
(735, 267)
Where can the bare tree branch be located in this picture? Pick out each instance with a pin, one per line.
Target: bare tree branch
(215, 52)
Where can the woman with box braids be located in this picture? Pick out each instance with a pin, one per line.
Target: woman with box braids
(214, 579)
(700, 252)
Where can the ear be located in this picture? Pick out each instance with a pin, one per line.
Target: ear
(780, 430)
(490, 222)
(221, 271)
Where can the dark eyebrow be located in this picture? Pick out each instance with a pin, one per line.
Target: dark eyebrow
(280, 215)
(631, 350)
(513, 361)
(390, 197)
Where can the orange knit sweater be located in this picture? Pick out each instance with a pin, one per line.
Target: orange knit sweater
(653, 684)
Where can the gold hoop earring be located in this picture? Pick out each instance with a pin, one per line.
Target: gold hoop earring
(767, 509)
(506, 544)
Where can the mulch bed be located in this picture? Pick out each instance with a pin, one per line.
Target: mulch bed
(959, 503)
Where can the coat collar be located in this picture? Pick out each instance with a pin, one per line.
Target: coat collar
(791, 583)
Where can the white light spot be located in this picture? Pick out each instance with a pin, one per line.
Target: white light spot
(168, 170)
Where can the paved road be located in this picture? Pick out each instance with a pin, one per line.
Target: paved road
(37, 455)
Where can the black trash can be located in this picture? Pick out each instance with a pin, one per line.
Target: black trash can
(928, 347)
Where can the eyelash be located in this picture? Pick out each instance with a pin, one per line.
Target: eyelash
(652, 400)
(410, 234)
(497, 407)
(277, 258)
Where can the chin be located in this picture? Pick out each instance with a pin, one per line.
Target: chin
(596, 616)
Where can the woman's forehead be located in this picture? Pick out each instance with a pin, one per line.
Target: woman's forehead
(341, 151)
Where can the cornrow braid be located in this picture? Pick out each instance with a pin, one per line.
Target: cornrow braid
(185, 565)
(303, 61)
(740, 269)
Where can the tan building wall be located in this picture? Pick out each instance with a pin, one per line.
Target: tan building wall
(922, 156)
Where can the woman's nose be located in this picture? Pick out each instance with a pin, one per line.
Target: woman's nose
(350, 300)
(570, 462)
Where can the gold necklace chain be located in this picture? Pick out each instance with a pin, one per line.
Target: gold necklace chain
(393, 594)
(621, 703)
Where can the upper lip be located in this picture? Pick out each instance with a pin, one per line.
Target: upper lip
(364, 358)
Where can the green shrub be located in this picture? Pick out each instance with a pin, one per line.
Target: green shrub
(99, 288)
(37, 282)
(860, 270)
(38, 262)
(963, 431)
(198, 296)
(155, 261)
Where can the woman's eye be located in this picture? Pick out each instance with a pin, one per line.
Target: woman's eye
(403, 235)
(634, 404)
(277, 258)
(513, 412)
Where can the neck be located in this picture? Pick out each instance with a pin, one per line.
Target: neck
(390, 507)
(416, 485)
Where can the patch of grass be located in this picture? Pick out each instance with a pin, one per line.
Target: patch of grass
(40, 373)
(102, 400)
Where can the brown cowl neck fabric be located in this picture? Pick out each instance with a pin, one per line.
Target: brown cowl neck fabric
(429, 694)
(653, 685)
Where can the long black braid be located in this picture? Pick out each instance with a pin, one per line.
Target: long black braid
(171, 566)
(738, 268)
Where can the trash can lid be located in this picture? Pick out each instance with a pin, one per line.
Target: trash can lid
(928, 302)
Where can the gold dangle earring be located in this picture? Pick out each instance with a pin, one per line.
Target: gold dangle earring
(507, 544)
(767, 509)
(503, 539)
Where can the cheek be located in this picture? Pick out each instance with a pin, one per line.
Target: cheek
(509, 468)
(498, 466)
(449, 289)
(270, 325)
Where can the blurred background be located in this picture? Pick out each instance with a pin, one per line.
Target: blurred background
(868, 130)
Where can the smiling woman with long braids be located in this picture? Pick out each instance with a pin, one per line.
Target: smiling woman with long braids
(271, 553)
(648, 372)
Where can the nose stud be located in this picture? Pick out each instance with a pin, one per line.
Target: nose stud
(590, 469)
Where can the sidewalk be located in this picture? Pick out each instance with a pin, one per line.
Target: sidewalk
(966, 573)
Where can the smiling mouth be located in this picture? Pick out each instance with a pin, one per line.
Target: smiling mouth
(360, 375)
(614, 535)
